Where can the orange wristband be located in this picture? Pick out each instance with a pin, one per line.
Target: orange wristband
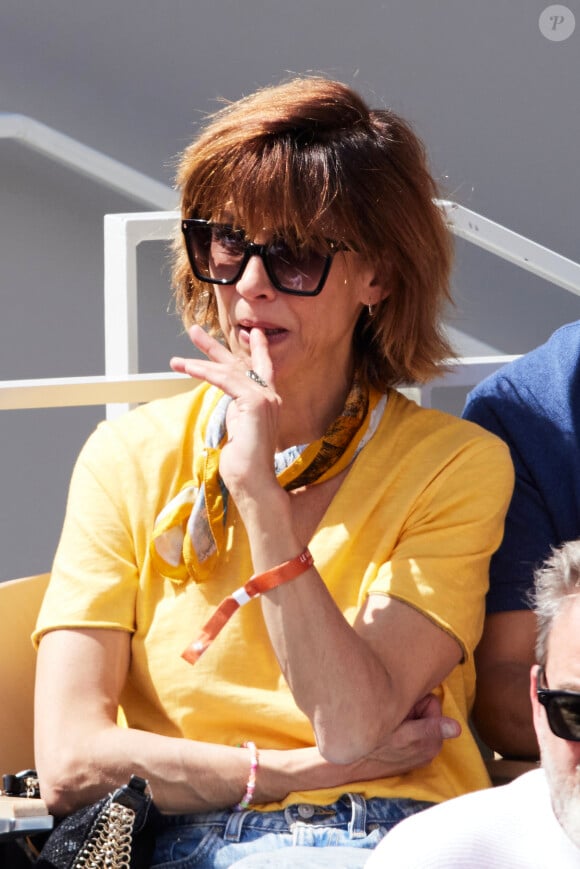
(255, 586)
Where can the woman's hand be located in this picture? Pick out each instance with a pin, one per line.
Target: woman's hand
(247, 460)
(418, 739)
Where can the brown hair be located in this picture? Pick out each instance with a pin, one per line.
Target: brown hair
(309, 158)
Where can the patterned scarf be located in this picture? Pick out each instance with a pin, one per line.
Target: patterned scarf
(188, 534)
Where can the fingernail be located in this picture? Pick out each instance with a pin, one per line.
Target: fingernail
(449, 728)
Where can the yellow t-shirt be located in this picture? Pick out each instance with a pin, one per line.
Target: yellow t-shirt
(417, 517)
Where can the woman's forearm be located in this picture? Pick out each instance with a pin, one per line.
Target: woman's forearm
(356, 684)
(184, 775)
(332, 672)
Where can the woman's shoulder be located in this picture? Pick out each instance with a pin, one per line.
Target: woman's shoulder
(405, 415)
(428, 440)
(154, 434)
(163, 418)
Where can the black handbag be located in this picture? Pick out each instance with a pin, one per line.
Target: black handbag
(117, 831)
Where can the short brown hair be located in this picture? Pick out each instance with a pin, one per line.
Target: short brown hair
(308, 157)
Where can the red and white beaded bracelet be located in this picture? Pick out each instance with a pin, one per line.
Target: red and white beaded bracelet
(248, 797)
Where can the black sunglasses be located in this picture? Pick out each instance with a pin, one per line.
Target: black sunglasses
(562, 710)
(219, 253)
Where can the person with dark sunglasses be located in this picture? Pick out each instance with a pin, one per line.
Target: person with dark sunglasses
(535, 820)
(280, 575)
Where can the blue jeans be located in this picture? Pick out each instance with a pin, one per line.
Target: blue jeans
(338, 835)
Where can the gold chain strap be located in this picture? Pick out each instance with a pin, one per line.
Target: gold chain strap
(31, 785)
(110, 844)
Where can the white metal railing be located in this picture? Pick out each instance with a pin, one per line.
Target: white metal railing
(122, 235)
(511, 246)
(123, 391)
(85, 391)
(85, 160)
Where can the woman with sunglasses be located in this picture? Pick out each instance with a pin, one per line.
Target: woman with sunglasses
(280, 576)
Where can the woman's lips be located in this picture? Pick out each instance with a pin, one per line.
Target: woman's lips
(272, 333)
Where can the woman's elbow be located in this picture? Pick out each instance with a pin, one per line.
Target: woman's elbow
(66, 781)
(345, 743)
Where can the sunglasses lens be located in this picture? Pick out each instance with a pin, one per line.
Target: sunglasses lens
(215, 252)
(564, 717)
(298, 270)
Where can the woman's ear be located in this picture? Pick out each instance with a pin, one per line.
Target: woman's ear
(380, 291)
(375, 286)
(371, 281)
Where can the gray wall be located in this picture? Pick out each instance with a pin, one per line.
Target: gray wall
(497, 103)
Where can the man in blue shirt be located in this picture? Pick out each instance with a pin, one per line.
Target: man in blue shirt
(533, 404)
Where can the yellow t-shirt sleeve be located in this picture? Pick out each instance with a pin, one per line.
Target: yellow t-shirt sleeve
(440, 564)
(94, 576)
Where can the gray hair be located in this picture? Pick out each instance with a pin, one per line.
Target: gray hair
(557, 582)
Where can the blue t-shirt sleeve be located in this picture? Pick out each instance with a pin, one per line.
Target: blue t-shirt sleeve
(533, 404)
(529, 531)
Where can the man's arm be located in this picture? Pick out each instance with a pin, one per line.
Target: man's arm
(502, 712)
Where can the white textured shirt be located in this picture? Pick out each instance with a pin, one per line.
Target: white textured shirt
(509, 826)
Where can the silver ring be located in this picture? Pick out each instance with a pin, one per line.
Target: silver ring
(256, 377)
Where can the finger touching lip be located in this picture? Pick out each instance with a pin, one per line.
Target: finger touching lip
(271, 333)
